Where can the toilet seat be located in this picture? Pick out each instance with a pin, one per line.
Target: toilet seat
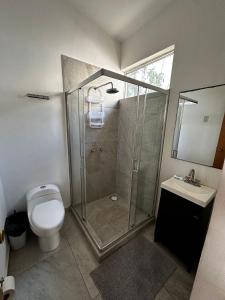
(48, 215)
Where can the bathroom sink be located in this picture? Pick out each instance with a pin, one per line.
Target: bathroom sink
(191, 188)
(199, 195)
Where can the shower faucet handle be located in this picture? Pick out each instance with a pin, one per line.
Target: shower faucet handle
(96, 148)
(93, 147)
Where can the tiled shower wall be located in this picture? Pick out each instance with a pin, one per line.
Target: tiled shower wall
(101, 153)
(126, 127)
(148, 146)
(100, 144)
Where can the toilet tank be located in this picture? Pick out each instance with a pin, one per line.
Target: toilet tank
(41, 194)
(43, 191)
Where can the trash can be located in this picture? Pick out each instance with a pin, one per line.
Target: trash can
(16, 229)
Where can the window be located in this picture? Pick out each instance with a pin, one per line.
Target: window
(156, 72)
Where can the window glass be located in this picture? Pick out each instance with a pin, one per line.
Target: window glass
(157, 72)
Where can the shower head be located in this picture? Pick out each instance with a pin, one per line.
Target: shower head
(111, 90)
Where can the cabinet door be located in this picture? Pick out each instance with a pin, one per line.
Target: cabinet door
(177, 225)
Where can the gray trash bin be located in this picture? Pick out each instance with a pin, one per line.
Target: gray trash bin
(16, 229)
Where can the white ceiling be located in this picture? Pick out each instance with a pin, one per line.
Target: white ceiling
(120, 18)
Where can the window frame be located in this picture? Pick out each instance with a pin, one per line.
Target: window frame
(150, 60)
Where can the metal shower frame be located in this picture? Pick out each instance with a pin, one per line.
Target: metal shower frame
(101, 252)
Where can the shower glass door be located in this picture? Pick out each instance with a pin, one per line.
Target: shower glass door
(107, 158)
(115, 133)
(75, 138)
(149, 143)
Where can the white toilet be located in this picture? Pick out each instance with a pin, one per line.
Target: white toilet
(46, 215)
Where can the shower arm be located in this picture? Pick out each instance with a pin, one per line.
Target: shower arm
(103, 85)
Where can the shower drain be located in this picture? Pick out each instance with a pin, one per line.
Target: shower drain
(113, 197)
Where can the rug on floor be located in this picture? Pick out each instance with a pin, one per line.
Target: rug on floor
(137, 271)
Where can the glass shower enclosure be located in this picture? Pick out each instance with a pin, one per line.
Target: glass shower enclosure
(115, 137)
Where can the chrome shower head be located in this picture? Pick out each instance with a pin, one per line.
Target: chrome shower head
(112, 90)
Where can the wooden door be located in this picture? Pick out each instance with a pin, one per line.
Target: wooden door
(220, 149)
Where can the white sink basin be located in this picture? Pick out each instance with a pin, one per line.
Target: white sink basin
(199, 195)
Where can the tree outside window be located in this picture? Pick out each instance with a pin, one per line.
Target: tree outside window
(157, 73)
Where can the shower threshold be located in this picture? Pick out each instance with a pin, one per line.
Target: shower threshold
(102, 251)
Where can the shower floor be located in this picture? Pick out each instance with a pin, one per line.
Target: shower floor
(109, 219)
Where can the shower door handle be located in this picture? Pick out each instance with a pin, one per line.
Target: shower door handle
(135, 166)
(133, 194)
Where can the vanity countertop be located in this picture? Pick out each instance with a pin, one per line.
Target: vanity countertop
(199, 195)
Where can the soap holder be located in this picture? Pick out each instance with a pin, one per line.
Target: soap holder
(96, 119)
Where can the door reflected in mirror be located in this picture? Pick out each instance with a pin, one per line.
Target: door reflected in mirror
(199, 135)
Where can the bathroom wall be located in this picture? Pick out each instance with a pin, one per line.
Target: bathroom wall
(4, 248)
(33, 36)
(210, 280)
(196, 28)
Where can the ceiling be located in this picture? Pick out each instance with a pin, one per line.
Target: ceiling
(120, 18)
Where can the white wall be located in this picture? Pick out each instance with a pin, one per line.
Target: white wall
(210, 280)
(33, 36)
(4, 248)
(197, 28)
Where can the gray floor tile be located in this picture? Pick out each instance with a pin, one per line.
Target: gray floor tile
(56, 277)
(99, 297)
(65, 273)
(148, 232)
(163, 295)
(25, 258)
(109, 219)
(83, 254)
(179, 285)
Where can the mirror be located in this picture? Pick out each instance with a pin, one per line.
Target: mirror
(199, 135)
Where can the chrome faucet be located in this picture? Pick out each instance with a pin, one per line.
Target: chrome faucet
(191, 178)
(192, 175)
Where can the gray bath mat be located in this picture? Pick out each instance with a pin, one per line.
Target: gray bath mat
(137, 271)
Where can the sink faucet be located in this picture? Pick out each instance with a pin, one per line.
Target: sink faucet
(192, 175)
(191, 178)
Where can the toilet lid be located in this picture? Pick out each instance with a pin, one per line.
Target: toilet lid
(48, 215)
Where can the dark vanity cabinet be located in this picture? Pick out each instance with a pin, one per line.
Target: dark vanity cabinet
(182, 226)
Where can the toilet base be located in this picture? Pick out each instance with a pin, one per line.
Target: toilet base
(49, 243)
